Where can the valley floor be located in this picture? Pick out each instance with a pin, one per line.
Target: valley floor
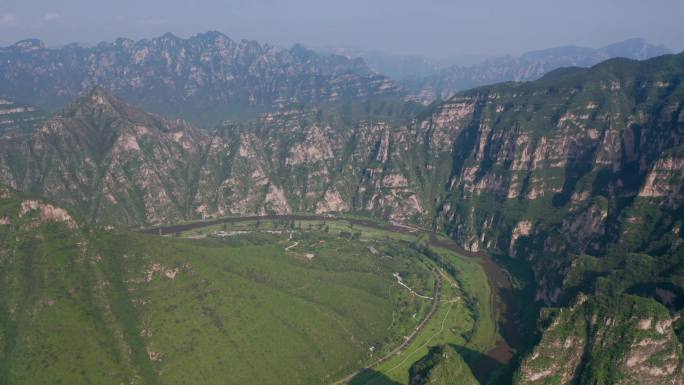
(472, 308)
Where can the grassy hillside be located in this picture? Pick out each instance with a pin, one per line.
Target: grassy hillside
(442, 366)
(81, 305)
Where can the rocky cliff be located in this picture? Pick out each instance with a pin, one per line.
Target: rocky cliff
(577, 162)
(617, 340)
(580, 173)
(565, 164)
(115, 163)
(205, 78)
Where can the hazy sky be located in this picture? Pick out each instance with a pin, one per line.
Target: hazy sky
(437, 28)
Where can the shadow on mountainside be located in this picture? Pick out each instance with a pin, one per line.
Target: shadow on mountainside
(486, 369)
(371, 377)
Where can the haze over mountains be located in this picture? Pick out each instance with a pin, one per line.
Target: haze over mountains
(528, 66)
(206, 78)
(573, 175)
(209, 77)
(407, 67)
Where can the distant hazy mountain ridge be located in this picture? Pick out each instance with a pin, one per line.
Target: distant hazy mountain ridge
(206, 78)
(529, 66)
(579, 175)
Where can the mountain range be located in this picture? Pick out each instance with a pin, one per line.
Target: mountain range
(209, 78)
(593, 147)
(578, 175)
(206, 78)
(528, 66)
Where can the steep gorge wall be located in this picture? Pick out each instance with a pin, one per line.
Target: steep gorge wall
(574, 163)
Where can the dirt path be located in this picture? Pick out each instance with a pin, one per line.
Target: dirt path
(407, 340)
(503, 301)
(441, 329)
(401, 282)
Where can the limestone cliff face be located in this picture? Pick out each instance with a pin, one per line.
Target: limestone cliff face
(577, 162)
(623, 340)
(567, 156)
(298, 160)
(204, 79)
(114, 163)
(560, 158)
(566, 165)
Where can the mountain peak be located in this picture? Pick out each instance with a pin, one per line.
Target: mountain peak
(635, 48)
(99, 104)
(99, 96)
(29, 45)
(170, 35)
(153, 73)
(212, 35)
(105, 116)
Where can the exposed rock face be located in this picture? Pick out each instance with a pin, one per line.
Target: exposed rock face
(577, 162)
(108, 160)
(115, 163)
(664, 179)
(332, 202)
(590, 175)
(521, 229)
(529, 66)
(205, 78)
(46, 213)
(316, 162)
(623, 340)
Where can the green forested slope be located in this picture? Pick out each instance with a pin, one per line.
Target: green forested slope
(81, 305)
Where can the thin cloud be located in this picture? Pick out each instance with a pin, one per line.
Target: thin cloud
(7, 20)
(154, 21)
(52, 16)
